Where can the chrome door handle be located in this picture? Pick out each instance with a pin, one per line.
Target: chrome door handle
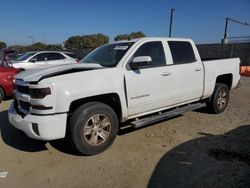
(197, 69)
(166, 73)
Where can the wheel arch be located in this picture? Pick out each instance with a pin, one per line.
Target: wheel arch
(226, 79)
(110, 99)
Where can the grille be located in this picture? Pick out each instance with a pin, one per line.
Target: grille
(17, 110)
(15, 104)
(24, 105)
(22, 89)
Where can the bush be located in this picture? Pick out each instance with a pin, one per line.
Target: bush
(86, 41)
(132, 35)
(2, 45)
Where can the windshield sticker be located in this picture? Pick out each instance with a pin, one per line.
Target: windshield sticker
(121, 48)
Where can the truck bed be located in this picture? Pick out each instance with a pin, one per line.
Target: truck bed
(217, 67)
(212, 58)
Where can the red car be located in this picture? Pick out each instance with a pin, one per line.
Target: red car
(7, 73)
(6, 81)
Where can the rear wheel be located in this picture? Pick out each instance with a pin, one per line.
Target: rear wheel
(220, 98)
(92, 128)
(1, 94)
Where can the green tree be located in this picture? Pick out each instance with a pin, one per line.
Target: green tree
(2, 45)
(55, 47)
(132, 35)
(122, 37)
(37, 47)
(86, 41)
(19, 48)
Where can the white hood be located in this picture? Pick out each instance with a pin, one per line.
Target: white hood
(35, 75)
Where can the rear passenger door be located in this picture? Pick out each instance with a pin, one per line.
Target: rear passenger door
(55, 58)
(188, 72)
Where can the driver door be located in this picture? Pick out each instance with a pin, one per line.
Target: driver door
(38, 60)
(149, 87)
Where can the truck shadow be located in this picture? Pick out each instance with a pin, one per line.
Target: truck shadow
(16, 138)
(125, 128)
(209, 161)
(63, 146)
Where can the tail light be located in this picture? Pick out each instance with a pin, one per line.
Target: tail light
(19, 70)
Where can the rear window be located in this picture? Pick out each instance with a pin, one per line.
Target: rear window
(55, 56)
(182, 52)
(72, 55)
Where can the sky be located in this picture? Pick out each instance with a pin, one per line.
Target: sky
(54, 21)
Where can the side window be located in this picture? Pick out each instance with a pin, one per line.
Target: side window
(182, 52)
(155, 51)
(55, 56)
(40, 57)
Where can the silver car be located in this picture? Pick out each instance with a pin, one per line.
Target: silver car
(32, 60)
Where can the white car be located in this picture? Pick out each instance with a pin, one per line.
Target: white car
(32, 60)
(138, 82)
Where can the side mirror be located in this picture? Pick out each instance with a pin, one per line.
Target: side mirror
(33, 60)
(140, 61)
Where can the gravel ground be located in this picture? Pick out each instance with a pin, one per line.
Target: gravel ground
(195, 150)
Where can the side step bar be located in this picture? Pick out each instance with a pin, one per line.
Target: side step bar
(166, 115)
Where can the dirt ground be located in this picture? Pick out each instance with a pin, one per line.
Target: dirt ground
(194, 150)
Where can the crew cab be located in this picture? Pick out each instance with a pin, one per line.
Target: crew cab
(33, 60)
(135, 82)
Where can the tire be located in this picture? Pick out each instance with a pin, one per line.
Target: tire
(92, 128)
(1, 94)
(219, 99)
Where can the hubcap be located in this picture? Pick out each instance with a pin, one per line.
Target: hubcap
(97, 129)
(222, 99)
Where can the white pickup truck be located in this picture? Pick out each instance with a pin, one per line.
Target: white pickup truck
(138, 82)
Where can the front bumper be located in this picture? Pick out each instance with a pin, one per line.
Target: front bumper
(48, 127)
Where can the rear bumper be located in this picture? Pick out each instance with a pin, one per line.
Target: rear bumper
(47, 127)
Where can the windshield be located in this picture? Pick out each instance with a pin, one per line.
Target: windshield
(108, 55)
(25, 56)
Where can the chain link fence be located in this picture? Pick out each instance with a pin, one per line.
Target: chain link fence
(241, 50)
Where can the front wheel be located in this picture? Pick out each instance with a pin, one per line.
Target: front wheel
(219, 99)
(93, 128)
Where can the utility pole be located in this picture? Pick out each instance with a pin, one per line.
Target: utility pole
(171, 22)
(225, 38)
(225, 32)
